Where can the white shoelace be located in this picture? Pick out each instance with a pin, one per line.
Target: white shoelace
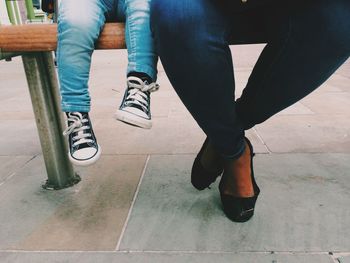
(136, 92)
(78, 126)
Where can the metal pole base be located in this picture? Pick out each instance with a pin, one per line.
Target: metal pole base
(43, 87)
(71, 182)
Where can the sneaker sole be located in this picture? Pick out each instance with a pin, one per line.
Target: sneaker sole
(133, 119)
(88, 161)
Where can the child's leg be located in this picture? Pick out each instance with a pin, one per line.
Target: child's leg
(79, 25)
(141, 49)
(142, 64)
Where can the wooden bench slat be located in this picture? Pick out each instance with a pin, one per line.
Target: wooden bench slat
(43, 37)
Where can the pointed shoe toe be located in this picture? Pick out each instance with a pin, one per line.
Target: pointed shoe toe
(200, 177)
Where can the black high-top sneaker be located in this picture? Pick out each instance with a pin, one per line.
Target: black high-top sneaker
(135, 106)
(83, 147)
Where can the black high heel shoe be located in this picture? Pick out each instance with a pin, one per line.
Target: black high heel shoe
(240, 209)
(200, 177)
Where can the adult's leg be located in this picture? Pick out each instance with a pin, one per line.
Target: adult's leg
(192, 42)
(79, 25)
(191, 37)
(311, 43)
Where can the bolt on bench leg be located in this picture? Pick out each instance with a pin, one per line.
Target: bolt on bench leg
(43, 87)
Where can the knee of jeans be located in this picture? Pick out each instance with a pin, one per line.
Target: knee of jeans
(78, 29)
(335, 23)
(174, 19)
(138, 5)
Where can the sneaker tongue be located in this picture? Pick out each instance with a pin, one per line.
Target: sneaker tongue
(84, 115)
(77, 114)
(138, 83)
(143, 76)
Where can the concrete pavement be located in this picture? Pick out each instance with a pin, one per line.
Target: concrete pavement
(137, 205)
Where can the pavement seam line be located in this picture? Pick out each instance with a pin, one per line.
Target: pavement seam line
(338, 255)
(16, 170)
(261, 140)
(333, 257)
(226, 252)
(175, 252)
(132, 204)
(7, 178)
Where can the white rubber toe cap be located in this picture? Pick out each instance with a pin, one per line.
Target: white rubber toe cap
(86, 156)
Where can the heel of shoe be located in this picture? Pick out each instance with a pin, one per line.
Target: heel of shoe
(200, 177)
(238, 209)
(241, 209)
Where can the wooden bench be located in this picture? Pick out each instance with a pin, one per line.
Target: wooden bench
(34, 42)
(43, 37)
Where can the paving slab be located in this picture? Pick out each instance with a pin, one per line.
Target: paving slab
(10, 164)
(93, 217)
(17, 89)
(245, 56)
(306, 133)
(105, 107)
(19, 137)
(345, 69)
(302, 208)
(17, 108)
(17, 115)
(14, 93)
(34, 219)
(24, 204)
(168, 136)
(10, 69)
(326, 103)
(341, 81)
(12, 257)
(344, 259)
(327, 87)
(297, 109)
(259, 145)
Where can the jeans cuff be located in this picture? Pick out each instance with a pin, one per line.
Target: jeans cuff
(74, 108)
(150, 71)
(240, 150)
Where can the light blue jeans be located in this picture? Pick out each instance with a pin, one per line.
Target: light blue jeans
(79, 25)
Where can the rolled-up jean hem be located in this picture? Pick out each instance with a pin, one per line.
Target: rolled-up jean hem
(74, 108)
(150, 71)
(236, 155)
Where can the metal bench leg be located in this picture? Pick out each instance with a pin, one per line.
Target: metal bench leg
(43, 87)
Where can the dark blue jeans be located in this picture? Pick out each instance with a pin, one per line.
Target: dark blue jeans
(306, 43)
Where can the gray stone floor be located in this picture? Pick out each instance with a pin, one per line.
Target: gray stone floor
(137, 205)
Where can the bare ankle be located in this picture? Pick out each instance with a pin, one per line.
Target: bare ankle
(238, 176)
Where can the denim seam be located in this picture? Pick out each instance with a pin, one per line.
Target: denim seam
(132, 40)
